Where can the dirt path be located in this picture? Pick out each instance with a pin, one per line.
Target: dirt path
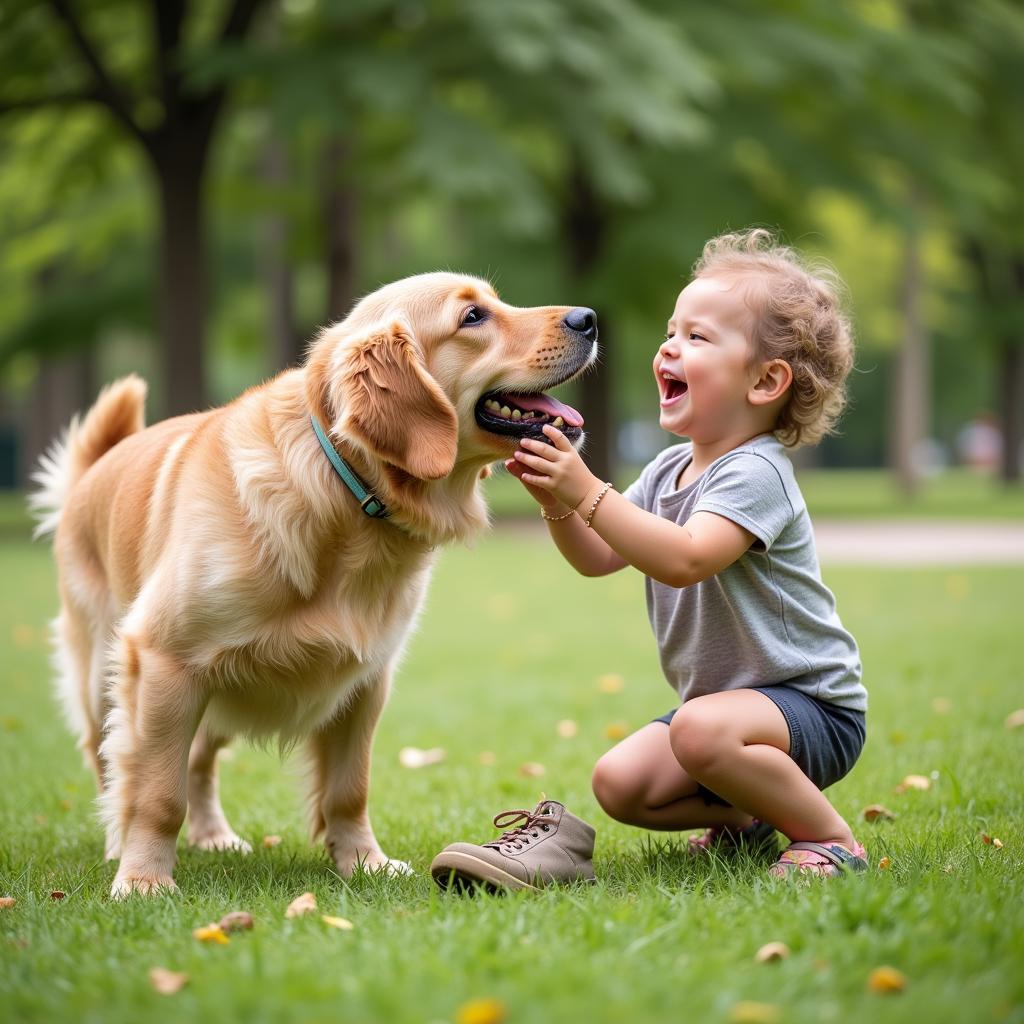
(896, 542)
(920, 542)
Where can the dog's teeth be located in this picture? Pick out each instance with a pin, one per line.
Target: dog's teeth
(492, 405)
(506, 411)
(516, 414)
(527, 415)
(559, 422)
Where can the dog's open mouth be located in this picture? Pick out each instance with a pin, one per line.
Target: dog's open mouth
(523, 414)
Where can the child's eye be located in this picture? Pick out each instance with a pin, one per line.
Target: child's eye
(694, 336)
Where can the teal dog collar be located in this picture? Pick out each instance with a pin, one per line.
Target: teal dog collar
(368, 502)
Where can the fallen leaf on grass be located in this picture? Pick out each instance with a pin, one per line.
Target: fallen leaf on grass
(1015, 719)
(884, 980)
(772, 951)
(748, 1012)
(342, 923)
(531, 769)
(304, 904)
(487, 757)
(884, 864)
(914, 782)
(57, 895)
(236, 921)
(875, 811)
(211, 933)
(23, 636)
(610, 684)
(567, 728)
(269, 841)
(992, 841)
(616, 730)
(167, 982)
(481, 1011)
(414, 757)
(6, 902)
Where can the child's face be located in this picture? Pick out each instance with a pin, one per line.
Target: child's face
(703, 368)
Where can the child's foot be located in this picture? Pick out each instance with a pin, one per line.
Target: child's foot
(544, 846)
(757, 837)
(825, 860)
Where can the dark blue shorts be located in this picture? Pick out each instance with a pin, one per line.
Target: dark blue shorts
(824, 740)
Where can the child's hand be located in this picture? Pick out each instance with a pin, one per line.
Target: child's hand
(543, 498)
(554, 470)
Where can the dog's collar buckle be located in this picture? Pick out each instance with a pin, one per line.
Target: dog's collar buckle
(368, 501)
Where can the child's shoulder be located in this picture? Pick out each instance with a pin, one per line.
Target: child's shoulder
(761, 458)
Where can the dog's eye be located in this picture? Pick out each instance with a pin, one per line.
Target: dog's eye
(474, 315)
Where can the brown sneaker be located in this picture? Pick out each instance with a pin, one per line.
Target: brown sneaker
(543, 846)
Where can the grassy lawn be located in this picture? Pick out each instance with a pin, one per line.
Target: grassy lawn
(513, 642)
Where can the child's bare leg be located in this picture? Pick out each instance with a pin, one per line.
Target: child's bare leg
(737, 744)
(639, 782)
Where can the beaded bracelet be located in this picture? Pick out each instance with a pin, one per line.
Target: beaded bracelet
(597, 501)
(555, 519)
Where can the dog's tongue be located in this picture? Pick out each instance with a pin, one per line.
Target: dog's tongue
(536, 402)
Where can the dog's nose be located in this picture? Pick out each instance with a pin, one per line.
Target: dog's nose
(582, 321)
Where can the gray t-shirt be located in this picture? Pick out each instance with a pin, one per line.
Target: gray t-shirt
(766, 619)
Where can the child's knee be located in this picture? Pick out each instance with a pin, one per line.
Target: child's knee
(615, 790)
(698, 738)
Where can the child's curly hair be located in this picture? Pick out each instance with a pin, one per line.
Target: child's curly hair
(797, 318)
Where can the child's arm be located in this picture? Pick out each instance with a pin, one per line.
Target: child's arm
(675, 555)
(583, 549)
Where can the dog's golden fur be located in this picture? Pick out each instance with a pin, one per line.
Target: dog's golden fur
(216, 577)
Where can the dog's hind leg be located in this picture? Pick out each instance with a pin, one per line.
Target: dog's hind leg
(208, 828)
(340, 761)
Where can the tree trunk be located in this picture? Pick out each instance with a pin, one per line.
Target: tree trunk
(1011, 408)
(64, 386)
(182, 275)
(287, 346)
(340, 203)
(909, 412)
(585, 225)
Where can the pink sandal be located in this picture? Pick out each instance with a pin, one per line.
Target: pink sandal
(755, 837)
(815, 859)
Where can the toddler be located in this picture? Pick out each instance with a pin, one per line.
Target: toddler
(771, 709)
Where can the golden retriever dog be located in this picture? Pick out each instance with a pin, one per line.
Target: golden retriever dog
(217, 577)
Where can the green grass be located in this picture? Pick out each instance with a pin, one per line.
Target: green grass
(512, 642)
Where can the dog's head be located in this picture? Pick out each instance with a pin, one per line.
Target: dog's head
(436, 369)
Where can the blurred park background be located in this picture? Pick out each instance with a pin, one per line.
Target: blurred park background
(189, 190)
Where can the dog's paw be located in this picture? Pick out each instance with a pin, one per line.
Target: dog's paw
(372, 863)
(220, 840)
(145, 885)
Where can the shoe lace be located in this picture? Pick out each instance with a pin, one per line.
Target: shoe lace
(522, 827)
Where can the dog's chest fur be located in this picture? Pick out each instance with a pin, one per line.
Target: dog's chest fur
(285, 663)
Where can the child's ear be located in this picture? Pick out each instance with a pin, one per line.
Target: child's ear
(774, 381)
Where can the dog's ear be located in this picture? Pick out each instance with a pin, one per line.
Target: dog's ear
(394, 407)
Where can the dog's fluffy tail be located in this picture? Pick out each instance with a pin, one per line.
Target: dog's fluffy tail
(118, 412)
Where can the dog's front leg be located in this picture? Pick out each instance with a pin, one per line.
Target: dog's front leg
(340, 756)
(156, 710)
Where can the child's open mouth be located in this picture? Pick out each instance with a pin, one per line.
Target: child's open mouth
(672, 390)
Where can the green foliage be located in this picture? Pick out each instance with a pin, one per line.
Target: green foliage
(469, 128)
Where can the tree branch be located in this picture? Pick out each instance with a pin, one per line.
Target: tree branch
(65, 99)
(107, 92)
(235, 28)
(167, 19)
